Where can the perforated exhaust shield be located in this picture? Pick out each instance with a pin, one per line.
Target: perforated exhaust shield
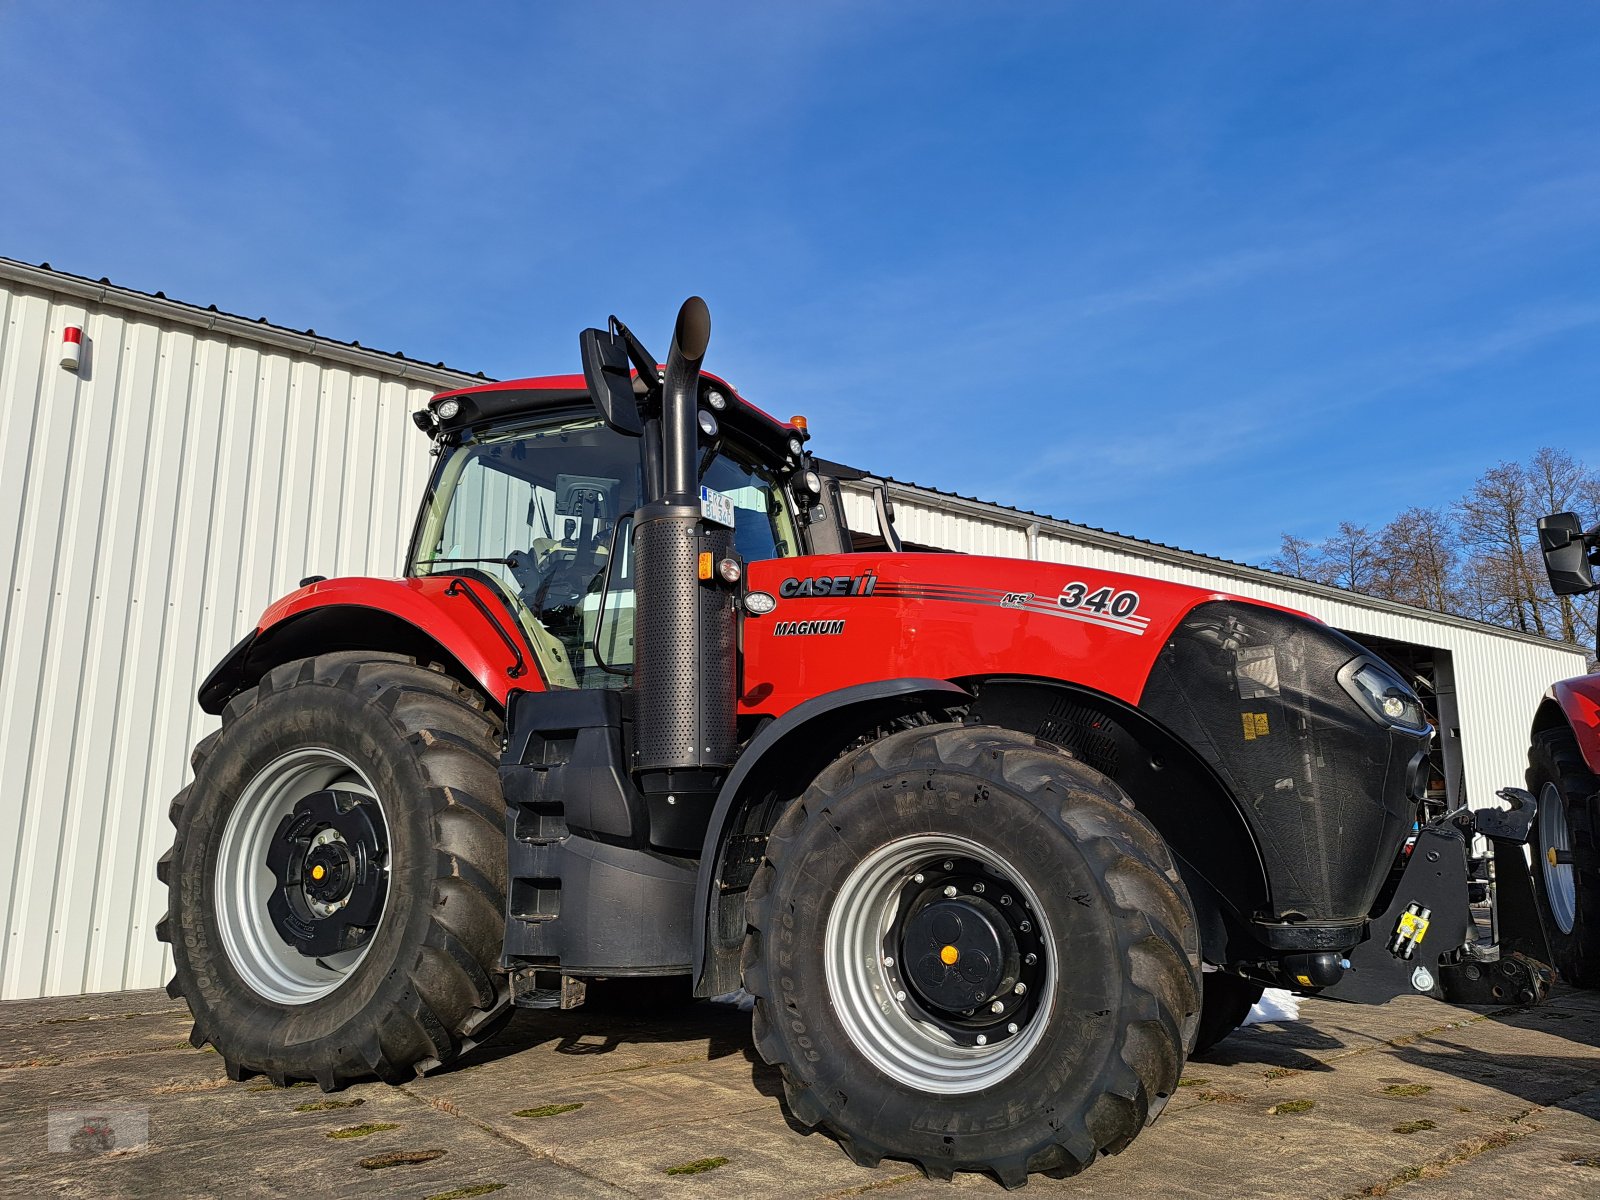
(1323, 786)
(686, 658)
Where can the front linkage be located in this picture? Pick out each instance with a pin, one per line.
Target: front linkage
(1431, 905)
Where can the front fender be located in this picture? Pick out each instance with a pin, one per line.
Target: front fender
(460, 616)
(1579, 702)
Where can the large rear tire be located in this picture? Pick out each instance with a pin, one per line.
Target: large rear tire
(969, 951)
(336, 888)
(1568, 893)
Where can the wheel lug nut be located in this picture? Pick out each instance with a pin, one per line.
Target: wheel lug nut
(982, 1041)
(978, 887)
(900, 995)
(1004, 900)
(1011, 1027)
(948, 865)
(949, 890)
(917, 878)
(1031, 959)
(1025, 926)
(888, 960)
(997, 1007)
(1020, 988)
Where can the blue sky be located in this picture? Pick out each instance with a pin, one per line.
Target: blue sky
(1197, 272)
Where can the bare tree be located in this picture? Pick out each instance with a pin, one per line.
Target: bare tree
(1559, 483)
(1296, 557)
(1416, 560)
(1495, 517)
(1350, 558)
(1480, 558)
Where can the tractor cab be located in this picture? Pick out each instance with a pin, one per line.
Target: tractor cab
(535, 491)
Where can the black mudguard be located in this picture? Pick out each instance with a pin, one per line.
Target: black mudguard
(796, 745)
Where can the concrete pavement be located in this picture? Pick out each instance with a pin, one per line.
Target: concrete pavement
(1413, 1099)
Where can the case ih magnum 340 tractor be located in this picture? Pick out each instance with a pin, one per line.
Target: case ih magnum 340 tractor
(995, 845)
(1564, 773)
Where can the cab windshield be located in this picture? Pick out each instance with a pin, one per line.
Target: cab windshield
(534, 512)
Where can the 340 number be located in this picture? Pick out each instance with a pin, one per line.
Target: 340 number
(1102, 600)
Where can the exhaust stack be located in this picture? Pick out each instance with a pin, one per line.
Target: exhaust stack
(685, 659)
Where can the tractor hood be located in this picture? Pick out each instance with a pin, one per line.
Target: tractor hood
(1319, 742)
(860, 617)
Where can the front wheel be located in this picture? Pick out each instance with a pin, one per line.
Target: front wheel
(1566, 871)
(336, 888)
(969, 951)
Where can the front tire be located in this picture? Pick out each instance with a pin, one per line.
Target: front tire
(969, 951)
(1568, 823)
(336, 888)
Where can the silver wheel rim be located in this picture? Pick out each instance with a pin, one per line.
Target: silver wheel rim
(867, 997)
(1560, 885)
(268, 964)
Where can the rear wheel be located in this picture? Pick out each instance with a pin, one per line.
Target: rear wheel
(1567, 845)
(967, 950)
(336, 888)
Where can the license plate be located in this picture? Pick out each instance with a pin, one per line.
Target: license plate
(714, 506)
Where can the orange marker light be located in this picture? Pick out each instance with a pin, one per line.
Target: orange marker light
(799, 423)
(705, 565)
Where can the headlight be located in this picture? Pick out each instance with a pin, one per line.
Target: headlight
(1383, 694)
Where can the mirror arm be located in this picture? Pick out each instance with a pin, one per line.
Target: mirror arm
(643, 361)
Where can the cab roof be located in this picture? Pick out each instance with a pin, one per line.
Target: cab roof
(492, 402)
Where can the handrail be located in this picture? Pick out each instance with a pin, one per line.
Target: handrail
(458, 587)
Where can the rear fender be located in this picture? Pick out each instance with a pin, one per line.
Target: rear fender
(1577, 703)
(457, 622)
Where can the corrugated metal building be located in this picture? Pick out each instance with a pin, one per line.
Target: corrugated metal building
(199, 464)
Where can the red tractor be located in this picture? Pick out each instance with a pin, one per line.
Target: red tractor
(995, 845)
(1564, 773)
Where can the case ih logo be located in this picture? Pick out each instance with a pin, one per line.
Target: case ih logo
(825, 585)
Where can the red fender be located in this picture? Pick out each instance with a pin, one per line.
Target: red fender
(1579, 701)
(461, 615)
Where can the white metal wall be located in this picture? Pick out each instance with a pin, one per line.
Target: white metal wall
(150, 508)
(1499, 676)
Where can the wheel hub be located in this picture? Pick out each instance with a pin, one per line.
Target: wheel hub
(328, 860)
(329, 873)
(957, 952)
(965, 946)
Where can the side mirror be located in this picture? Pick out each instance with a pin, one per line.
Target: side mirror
(885, 510)
(605, 370)
(1566, 554)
